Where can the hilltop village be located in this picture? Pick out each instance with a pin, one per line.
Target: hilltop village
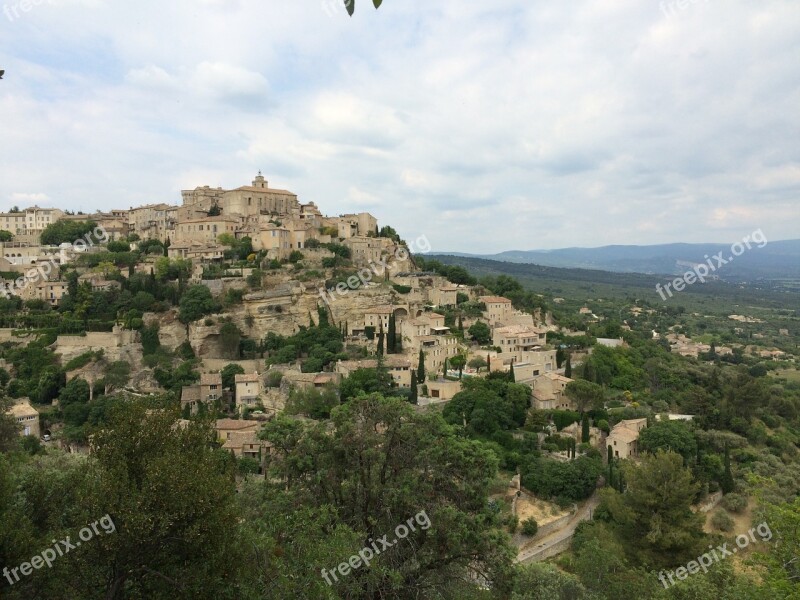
(264, 267)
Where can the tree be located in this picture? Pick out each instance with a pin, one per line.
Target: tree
(9, 428)
(149, 337)
(312, 402)
(116, 375)
(391, 340)
(477, 363)
(173, 502)
(727, 484)
(543, 581)
(669, 435)
(568, 367)
(585, 429)
(6, 236)
(413, 397)
(229, 373)
(196, 302)
(459, 361)
(560, 356)
(379, 347)
(480, 332)
(68, 232)
(366, 381)
(230, 336)
(421, 368)
(585, 394)
(654, 514)
(397, 461)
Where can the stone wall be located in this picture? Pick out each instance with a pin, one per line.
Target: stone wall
(551, 550)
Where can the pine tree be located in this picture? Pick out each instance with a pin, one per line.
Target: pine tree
(568, 367)
(421, 367)
(413, 396)
(391, 341)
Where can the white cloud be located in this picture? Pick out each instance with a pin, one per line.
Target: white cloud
(483, 126)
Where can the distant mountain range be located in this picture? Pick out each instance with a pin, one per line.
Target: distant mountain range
(775, 260)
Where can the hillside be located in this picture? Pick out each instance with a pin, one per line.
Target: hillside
(776, 260)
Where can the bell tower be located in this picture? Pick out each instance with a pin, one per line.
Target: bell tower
(260, 182)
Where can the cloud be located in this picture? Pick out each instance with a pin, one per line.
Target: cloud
(483, 126)
(26, 199)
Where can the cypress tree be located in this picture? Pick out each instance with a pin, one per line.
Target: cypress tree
(568, 368)
(512, 377)
(391, 341)
(381, 337)
(421, 367)
(727, 484)
(413, 397)
(585, 429)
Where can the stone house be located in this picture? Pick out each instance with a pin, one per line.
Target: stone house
(549, 392)
(27, 417)
(206, 230)
(226, 428)
(30, 222)
(153, 221)
(624, 438)
(516, 339)
(443, 389)
(429, 334)
(497, 310)
(248, 391)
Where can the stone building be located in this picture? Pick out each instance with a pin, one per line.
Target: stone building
(153, 221)
(248, 391)
(206, 230)
(624, 438)
(27, 417)
(254, 199)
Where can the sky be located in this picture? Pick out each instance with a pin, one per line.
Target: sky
(482, 126)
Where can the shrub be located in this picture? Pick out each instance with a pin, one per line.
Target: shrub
(722, 521)
(274, 379)
(512, 522)
(530, 527)
(734, 502)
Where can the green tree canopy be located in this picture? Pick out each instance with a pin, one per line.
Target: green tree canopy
(196, 303)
